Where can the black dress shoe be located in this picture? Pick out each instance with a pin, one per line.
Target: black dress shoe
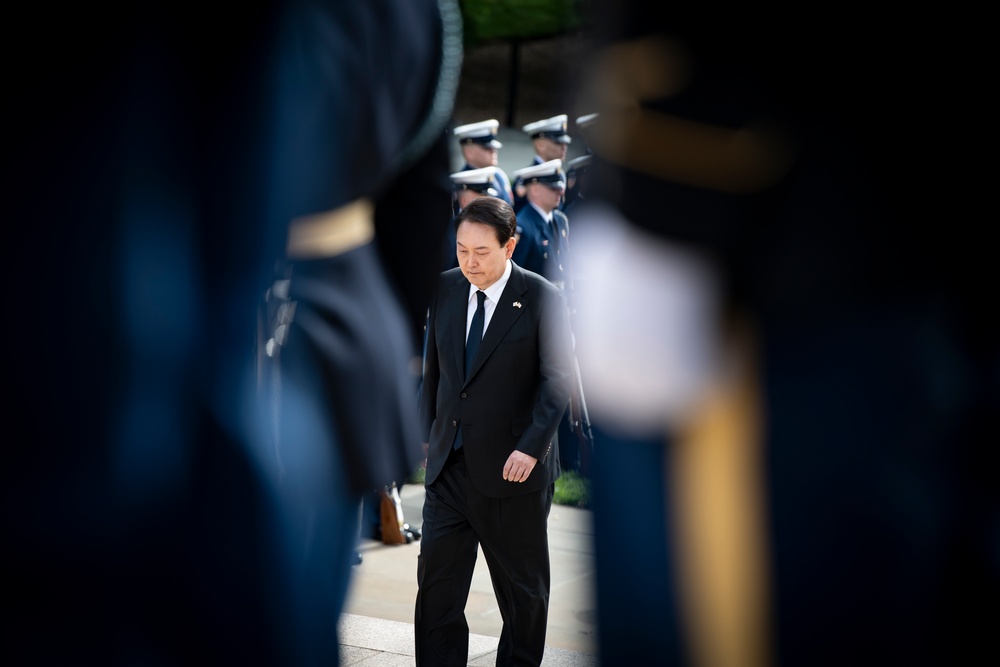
(357, 559)
(415, 533)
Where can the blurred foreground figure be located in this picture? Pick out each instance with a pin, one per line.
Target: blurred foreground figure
(165, 158)
(785, 322)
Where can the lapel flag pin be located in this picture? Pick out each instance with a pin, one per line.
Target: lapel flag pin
(517, 304)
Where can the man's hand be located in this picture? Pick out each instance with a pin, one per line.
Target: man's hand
(519, 465)
(427, 448)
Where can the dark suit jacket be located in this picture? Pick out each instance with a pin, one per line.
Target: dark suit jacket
(518, 387)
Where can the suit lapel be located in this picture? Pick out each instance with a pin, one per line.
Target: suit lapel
(513, 303)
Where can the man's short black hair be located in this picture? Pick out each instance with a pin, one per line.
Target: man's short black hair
(491, 211)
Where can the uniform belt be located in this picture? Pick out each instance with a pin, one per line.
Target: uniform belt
(332, 233)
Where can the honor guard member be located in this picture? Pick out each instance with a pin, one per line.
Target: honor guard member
(472, 183)
(576, 169)
(190, 490)
(467, 185)
(480, 150)
(542, 229)
(576, 177)
(550, 141)
(585, 121)
(826, 502)
(543, 247)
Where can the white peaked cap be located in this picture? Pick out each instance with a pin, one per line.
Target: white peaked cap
(483, 132)
(480, 180)
(554, 128)
(579, 163)
(547, 172)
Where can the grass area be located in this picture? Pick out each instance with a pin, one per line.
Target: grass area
(417, 477)
(571, 488)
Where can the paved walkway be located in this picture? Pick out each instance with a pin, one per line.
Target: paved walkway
(377, 629)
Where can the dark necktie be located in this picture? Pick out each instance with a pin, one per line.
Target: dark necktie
(472, 345)
(475, 331)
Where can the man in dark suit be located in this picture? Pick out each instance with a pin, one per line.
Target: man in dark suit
(489, 412)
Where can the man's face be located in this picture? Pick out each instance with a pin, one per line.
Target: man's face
(544, 197)
(548, 149)
(480, 255)
(479, 156)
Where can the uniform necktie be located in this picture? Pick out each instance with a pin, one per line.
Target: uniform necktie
(475, 331)
(472, 345)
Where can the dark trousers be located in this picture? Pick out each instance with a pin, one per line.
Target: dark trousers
(512, 532)
(636, 589)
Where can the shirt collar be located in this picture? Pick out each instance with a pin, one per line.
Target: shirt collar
(494, 291)
(547, 217)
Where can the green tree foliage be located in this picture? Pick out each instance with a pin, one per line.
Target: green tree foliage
(519, 20)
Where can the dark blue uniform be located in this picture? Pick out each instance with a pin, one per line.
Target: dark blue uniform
(157, 163)
(876, 349)
(543, 246)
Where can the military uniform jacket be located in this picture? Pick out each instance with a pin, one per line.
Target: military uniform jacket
(543, 247)
(516, 391)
